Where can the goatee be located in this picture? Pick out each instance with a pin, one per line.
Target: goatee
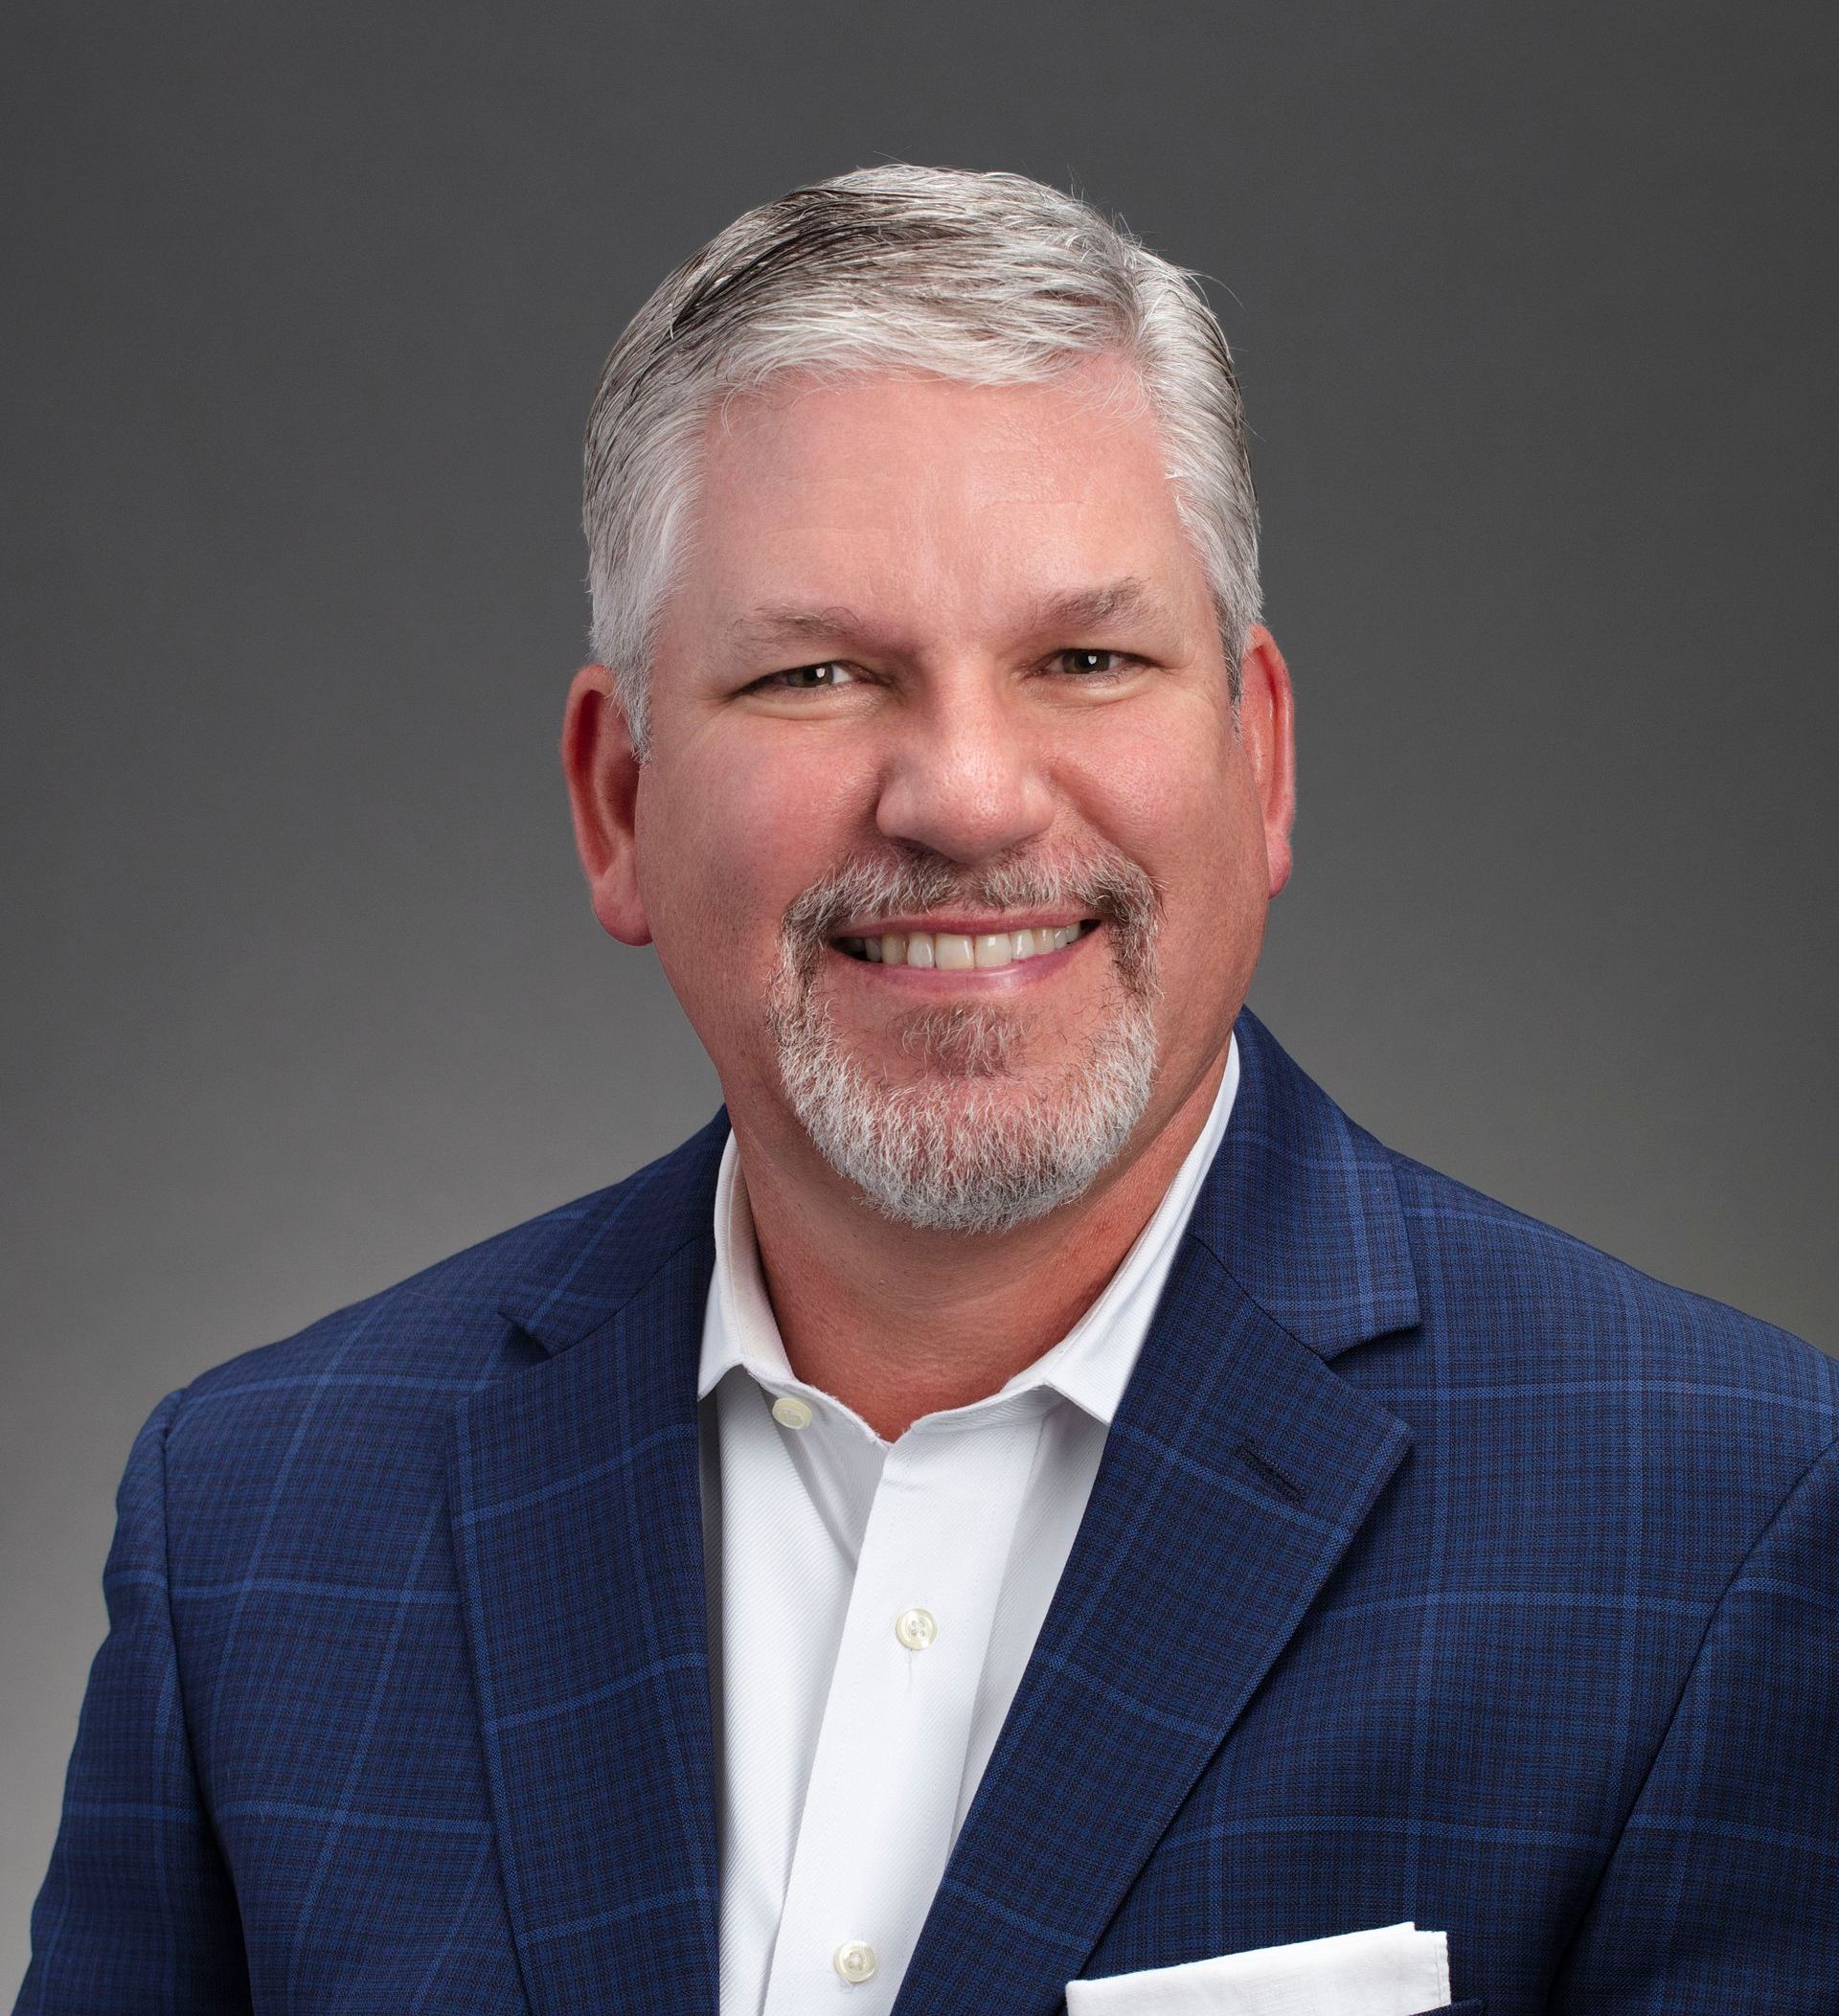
(975, 1142)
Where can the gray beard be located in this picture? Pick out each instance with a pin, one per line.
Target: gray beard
(975, 1142)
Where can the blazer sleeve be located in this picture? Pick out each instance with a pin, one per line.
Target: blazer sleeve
(1723, 1890)
(136, 1913)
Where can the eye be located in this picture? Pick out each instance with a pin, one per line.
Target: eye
(1085, 664)
(812, 678)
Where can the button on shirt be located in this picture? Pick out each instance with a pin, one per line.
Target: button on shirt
(871, 1607)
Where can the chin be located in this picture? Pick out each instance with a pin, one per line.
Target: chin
(976, 1141)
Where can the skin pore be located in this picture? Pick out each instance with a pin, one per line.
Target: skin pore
(924, 620)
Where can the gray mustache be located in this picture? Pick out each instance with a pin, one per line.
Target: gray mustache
(1107, 885)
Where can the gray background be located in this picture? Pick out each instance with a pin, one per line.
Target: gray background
(303, 308)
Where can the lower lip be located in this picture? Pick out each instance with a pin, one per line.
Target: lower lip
(1018, 972)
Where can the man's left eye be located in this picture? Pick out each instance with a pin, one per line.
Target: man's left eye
(1096, 665)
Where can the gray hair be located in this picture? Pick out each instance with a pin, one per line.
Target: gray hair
(984, 279)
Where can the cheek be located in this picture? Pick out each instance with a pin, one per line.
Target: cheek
(1183, 807)
(726, 839)
(1177, 798)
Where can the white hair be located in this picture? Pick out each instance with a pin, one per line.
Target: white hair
(985, 279)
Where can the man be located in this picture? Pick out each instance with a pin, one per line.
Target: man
(1031, 1505)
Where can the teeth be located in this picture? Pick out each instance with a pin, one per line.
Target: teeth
(954, 952)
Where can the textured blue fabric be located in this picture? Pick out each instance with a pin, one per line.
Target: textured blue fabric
(1439, 1567)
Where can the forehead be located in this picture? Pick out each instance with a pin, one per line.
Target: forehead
(925, 496)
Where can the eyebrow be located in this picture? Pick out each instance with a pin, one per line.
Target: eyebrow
(1129, 598)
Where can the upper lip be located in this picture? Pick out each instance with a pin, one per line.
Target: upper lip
(963, 926)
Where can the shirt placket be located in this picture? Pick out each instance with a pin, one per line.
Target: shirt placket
(880, 1805)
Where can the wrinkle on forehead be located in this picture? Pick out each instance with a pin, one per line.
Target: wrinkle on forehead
(782, 431)
(873, 512)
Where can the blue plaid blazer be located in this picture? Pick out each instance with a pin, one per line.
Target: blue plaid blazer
(1439, 1567)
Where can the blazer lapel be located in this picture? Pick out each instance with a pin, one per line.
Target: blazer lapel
(1237, 1470)
(575, 1504)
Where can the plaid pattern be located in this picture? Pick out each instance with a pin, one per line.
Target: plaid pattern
(1439, 1567)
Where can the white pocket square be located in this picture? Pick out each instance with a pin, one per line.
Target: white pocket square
(1394, 1970)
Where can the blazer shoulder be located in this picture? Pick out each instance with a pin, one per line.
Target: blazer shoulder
(1524, 1293)
(444, 1330)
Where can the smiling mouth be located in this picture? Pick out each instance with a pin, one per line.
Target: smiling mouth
(956, 952)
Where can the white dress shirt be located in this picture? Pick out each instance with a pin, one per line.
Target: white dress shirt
(871, 1607)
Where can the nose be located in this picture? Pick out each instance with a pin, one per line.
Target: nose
(964, 778)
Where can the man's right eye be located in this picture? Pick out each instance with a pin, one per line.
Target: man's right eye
(813, 678)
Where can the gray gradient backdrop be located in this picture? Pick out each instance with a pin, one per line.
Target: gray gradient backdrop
(302, 312)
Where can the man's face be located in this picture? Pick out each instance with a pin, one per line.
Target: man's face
(948, 837)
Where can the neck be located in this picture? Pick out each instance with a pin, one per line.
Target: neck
(896, 1322)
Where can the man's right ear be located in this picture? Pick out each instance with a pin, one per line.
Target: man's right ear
(601, 771)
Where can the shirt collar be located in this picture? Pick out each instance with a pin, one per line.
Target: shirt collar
(1090, 1365)
(741, 1329)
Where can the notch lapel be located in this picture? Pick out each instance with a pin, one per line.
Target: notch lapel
(574, 1493)
(1237, 1472)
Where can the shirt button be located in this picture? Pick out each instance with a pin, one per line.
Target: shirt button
(855, 1960)
(789, 1413)
(916, 1629)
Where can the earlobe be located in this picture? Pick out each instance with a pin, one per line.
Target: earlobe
(1266, 707)
(601, 772)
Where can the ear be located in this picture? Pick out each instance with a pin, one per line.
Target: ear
(601, 772)
(1268, 731)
